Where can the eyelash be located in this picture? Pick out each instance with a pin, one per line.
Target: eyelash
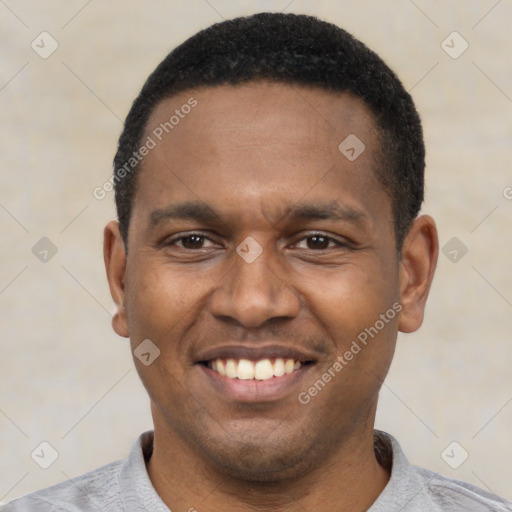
(337, 243)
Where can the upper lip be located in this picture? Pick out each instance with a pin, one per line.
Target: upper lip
(255, 352)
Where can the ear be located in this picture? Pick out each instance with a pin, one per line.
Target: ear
(114, 255)
(416, 270)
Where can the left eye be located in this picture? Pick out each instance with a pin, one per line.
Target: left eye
(193, 241)
(319, 241)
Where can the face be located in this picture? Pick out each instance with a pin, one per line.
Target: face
(259, 257)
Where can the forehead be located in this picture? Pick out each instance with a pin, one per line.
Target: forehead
(263, 145)
(308, 112)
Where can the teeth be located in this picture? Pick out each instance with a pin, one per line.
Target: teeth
(278, 367)
(288, 366)
(231, 369)
(263, 369)
(245, 370)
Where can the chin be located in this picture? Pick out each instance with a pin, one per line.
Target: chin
(261, 458)
(259, 465)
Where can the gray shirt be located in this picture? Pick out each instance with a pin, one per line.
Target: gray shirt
(124, 486)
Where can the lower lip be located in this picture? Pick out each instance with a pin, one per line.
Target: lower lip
(255, 391)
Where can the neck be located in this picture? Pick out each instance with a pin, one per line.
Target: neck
(350, 480)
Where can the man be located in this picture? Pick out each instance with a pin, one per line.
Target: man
(268, 183)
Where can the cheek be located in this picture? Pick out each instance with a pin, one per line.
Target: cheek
(161, 306)
(364, 331)
(350, 307)
(351, 300)
(159, 299)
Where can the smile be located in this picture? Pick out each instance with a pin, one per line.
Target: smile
(262, 369)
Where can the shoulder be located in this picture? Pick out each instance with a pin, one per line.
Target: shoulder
(121, 485)
(454, 495)
(96, 490)
(415, 489)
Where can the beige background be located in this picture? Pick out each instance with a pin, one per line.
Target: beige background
(66, 378)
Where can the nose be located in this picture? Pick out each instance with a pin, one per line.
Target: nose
(253, 293)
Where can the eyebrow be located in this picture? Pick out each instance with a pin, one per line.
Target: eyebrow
(187, 210)
(328, 211)
(192, 210)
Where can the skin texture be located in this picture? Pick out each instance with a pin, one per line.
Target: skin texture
(252, 154)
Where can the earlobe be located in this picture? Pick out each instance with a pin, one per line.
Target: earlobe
(417, 266)
(114, 255)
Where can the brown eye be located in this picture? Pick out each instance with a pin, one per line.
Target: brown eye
(318, 242)
(192, 241)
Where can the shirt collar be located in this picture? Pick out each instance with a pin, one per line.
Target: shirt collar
(139, 495)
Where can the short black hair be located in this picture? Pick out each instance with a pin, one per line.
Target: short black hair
(297, 50)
